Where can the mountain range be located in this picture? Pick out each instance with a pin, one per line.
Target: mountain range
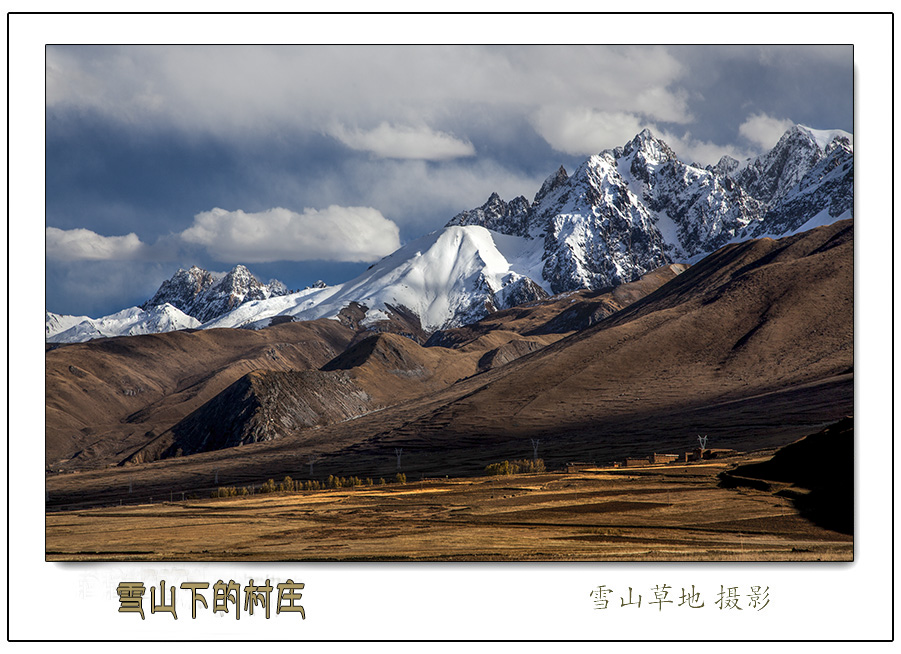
(620, 215)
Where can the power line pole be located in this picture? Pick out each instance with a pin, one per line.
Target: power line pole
(398, 451)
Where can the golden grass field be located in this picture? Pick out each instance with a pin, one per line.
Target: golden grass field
(660, 513)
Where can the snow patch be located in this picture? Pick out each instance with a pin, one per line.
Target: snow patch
(823, 137)
(373, 316)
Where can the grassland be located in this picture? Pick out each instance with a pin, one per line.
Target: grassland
(660, 513)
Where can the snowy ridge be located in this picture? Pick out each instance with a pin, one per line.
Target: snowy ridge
(827, 189)
(128, 322)
(824, 137)
(56, 323)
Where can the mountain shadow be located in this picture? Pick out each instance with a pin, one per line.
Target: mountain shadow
(823, 465)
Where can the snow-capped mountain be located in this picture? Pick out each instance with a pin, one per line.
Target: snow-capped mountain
(823, 195)
(56, 323)
(447, 278)
(631, 209)
(772, 175)
(206, 296)
(128, 322)
(622, 213)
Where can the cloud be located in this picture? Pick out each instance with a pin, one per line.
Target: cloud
(244, 90)
(580, 131)
(424, 196)
(692, 150)
(425, 101)
(402, 142)
(85, 245)
(763, 130)
(352, 234)
(585, 131)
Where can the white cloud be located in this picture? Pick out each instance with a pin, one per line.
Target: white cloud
(692, 150)
(663, 104)
(85, 245)
(581, 131)
(351, 234)
(424, 100)
(403, 142)
(419, 195)
(585, 131)
(764, 130)
(239, 89)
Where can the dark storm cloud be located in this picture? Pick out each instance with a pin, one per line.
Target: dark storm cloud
(810, 85)
(86, 287)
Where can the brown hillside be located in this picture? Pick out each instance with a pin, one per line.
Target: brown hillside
(261, 406)
(394, 368)
(558, 315)
(103, 397)
(119, 399)
(385, 369)
(380, 370)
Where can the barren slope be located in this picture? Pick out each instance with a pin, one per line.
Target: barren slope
(559, 315)
(379, 371)
(103, 397)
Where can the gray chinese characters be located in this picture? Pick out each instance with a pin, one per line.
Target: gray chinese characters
(733, 598)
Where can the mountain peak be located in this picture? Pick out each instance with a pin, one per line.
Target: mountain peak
(553, 181)
(204, 296)
(497, 215)
(771, 175)
(651, 148)
(240, 275)
(725, 165)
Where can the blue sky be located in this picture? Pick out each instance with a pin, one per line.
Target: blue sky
(311, 162)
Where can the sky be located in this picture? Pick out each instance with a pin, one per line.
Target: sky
(309, 163)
